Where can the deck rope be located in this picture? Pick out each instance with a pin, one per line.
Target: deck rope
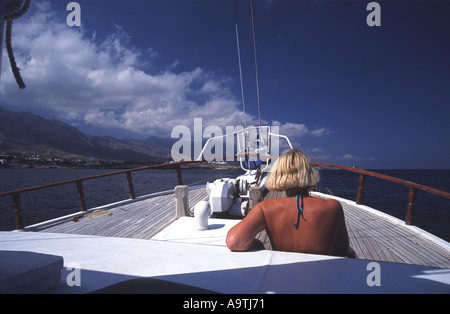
(14, 9)
(98, 213)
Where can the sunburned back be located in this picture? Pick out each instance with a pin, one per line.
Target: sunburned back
(320, 231)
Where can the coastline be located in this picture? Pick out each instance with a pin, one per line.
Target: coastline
(125, 165)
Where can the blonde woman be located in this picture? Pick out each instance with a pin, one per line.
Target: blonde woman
(298, 222)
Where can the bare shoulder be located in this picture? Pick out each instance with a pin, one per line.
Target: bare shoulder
(329, 204)
(271, 204)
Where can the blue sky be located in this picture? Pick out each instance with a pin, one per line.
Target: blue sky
(344, 92)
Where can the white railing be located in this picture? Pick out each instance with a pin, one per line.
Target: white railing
(253, 143)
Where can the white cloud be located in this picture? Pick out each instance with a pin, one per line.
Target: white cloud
(350, 157)
(293, 130)
(321, 132)
(316, 150)
(300, 130)
(104, 82)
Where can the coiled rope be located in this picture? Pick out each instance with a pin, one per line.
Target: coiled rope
(14, 9)
(98, 213)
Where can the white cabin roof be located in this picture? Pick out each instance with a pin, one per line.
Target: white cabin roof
(104, 261)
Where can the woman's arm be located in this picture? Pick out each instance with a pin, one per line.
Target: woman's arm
(242, 235)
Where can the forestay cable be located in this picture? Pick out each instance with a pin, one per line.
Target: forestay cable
(239, 57)
(256, 62)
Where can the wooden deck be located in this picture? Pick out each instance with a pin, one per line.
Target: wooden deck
(372, 237)
(139, 220)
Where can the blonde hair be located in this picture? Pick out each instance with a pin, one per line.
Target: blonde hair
(292, 170)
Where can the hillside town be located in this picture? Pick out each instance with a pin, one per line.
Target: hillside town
(32, 160)
(24, 160)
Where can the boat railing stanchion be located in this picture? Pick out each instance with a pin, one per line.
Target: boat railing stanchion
(359, 197)
(130, 185)
(17, 211)
(180, 178)
(411, 201)
(81, 195)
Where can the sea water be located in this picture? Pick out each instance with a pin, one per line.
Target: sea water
(431, 213)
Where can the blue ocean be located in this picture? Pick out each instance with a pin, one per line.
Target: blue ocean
(431, 213)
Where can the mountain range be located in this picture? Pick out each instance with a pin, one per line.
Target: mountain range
(27, 133)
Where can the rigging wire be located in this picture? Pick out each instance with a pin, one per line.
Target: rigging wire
(256, 62)
(239, 57)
